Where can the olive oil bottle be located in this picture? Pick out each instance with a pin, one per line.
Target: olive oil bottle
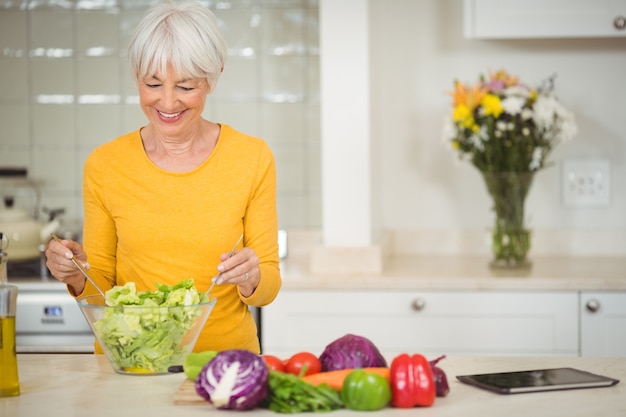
(9, 379)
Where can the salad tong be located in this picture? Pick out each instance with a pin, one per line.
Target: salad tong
(80, 267)
(206, 294)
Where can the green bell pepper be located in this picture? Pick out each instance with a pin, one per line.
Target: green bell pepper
(195, 361)
(365, 391)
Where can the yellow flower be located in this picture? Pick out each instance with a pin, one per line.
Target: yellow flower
(492, 105)
(461, 112)
(463, 115)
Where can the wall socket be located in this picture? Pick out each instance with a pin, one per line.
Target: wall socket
(586, 183)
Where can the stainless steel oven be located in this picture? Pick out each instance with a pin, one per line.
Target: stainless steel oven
(47, 319)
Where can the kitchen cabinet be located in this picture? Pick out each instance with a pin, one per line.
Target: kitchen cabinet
(431, 322)
(502, 19)
(603, 323)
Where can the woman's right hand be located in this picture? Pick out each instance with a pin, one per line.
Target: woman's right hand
(59, 262)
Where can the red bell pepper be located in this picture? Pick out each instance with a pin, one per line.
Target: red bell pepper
(411, 381)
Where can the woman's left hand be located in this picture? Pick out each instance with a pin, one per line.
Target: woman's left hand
(240, 269)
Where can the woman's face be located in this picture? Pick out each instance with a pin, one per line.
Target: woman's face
(173, 104)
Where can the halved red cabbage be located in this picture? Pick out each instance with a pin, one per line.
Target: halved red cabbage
(234, 380)
(351, 351)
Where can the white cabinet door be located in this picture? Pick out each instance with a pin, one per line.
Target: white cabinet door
(603, 323)
(501, 19)
(428, 322)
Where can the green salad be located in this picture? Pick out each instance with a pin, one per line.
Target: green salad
(143, 331)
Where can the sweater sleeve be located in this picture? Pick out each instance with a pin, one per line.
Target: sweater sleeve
(99, 230)
(261, 226)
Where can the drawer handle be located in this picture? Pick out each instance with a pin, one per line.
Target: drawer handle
(418, 304)
(593, 305)
(619, 22)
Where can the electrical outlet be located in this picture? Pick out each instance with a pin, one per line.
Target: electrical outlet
(586, 183)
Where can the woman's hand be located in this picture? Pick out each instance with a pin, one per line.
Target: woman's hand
(59, 262)
(240, 269)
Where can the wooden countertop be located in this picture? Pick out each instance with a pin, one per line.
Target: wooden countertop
(445, 272)
(61, 385)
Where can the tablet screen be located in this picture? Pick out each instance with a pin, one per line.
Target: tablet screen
(537, 380)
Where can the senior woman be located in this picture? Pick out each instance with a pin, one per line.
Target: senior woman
(169, 200)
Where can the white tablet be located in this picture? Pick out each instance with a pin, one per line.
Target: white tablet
(537, 380)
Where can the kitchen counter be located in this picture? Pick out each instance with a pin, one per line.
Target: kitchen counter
(467, 272)
(441, 272)
(74, 384)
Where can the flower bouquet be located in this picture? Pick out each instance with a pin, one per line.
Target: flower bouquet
(507, 129)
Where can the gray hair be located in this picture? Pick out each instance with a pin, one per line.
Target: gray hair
(185, 35)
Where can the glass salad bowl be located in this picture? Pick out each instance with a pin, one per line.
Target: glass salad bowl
(145, 339)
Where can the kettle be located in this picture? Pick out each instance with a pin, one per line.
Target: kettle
(25, 234)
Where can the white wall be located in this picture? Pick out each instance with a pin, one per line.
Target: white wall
(418, 50)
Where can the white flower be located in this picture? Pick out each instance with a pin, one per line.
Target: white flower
(527, 114)
(513, 105)
(535, 162)
(500, 125)
(568, 129)
(483, 133)
(567, 126)
(550, 115)
(546, 108)
(525, 131)
(561, 111)
(477, 142)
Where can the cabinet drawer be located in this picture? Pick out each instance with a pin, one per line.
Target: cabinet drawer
(430, 322)
(603, 323)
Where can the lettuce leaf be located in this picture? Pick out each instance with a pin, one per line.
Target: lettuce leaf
(144, 330)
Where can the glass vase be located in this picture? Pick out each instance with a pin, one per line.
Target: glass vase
(510, 238)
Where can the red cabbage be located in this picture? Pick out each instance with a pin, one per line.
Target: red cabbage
(234, 380)
(349, 352)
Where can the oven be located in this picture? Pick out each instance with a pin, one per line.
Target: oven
(48, 319)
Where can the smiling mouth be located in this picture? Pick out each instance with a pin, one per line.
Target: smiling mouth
(169, 115)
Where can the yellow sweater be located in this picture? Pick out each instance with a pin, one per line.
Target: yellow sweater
(148, 225)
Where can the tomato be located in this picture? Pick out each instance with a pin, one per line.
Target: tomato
(303, 363)
(274, 363)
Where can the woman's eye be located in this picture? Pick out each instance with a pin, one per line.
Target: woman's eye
(185, 88)
(152, 85)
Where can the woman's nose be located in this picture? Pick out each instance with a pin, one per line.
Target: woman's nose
(169, 96)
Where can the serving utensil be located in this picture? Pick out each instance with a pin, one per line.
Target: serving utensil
(220, 273)
(80, 267)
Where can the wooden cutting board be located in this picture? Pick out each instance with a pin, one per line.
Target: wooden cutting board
(186, 394)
